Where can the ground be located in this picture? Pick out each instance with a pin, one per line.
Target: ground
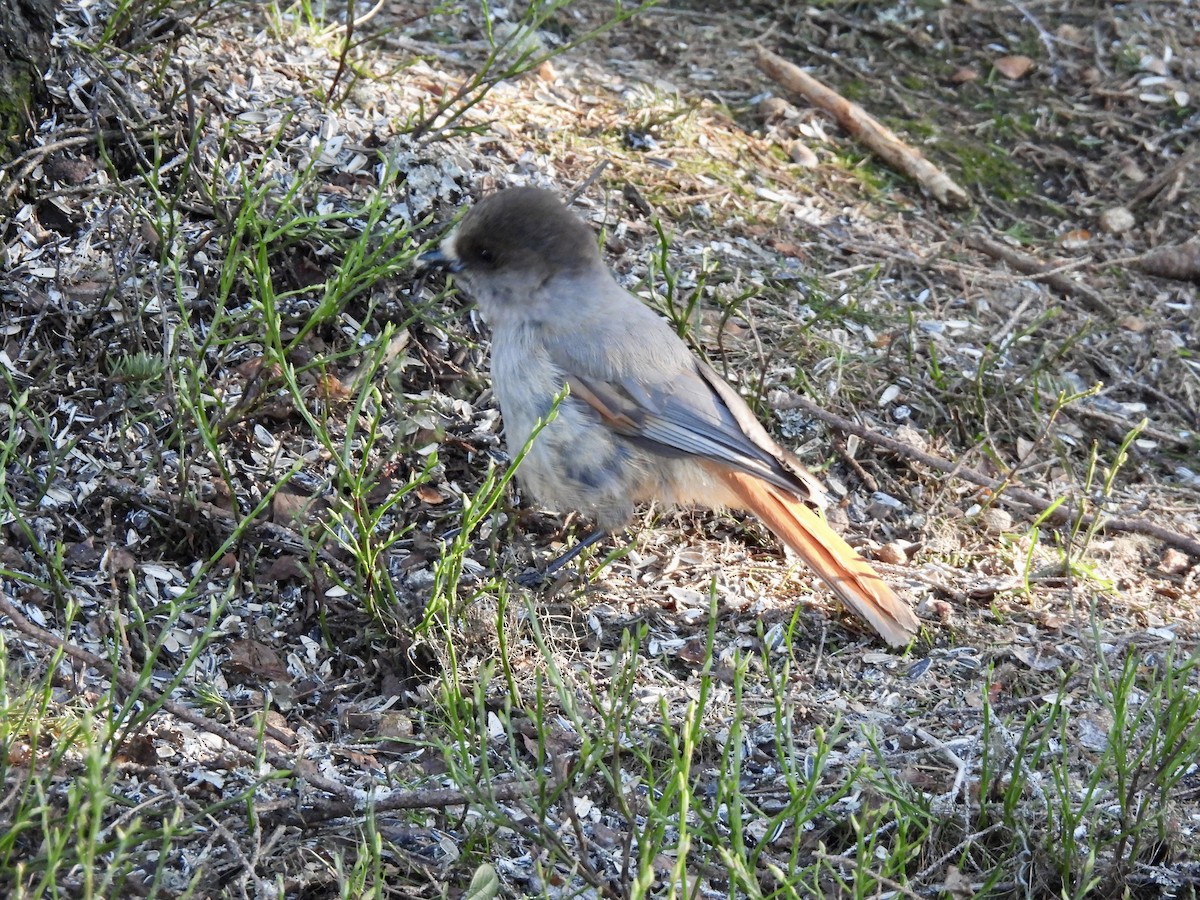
(259, 548)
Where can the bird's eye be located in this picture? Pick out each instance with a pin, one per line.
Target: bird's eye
(487, 255)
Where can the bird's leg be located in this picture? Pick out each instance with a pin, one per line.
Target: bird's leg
(533, 578)
(593, 538)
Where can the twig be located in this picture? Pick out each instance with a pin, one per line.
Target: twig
(864, 476)
(1044, 36)
(344, 52)
(1030, 265)
(1183, 439)
(423, 798)
(222, 520)
(130, 682)
(1166, 177)
(864, 127)
(904, 572)
(353, 23)
(858, 865)
(350, 801)
(1005, 491)
(587, 182)
(1007, 328)
(561, 769)
(31, 158)
(936, 866)
(960, 767)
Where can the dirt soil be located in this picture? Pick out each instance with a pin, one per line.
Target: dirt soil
(805, 268)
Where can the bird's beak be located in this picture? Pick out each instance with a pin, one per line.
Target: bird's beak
(438, 259)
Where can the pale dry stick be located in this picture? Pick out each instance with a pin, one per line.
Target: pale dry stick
(960, 767)
(29, 160)
(1005, 492)
(1009, 326)
(1044, 36)
(1183, 439)
(1034, 267)
(937, 865)
(864, 127)
(349, 26)
(1168, 176)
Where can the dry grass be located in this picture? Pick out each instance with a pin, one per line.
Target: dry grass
(252, 476)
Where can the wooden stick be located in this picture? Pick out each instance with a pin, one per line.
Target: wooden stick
(1031, 265)
(1006, 492)
(864, 127)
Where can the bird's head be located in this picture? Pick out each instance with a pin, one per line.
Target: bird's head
(511, 243)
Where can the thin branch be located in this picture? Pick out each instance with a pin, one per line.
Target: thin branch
(1004, 491)
(1034, 267)
(248, 744)
(350, 801)
(865, 128)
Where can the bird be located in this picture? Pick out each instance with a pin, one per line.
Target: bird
(644, 419)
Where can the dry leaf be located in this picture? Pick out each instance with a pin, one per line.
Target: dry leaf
(362, 760)
(1131, 170)
(250, 657)
(1013, 67)
(1075, 239)
(427, 493)
(957, 885)
(802, 155)
(288, 505)
(772, 109)
(1070, 33)
(1136, 324)
(286, 568)
(18, 753)
(60, 167)
(964, 75)
(996, 520)
(330, 388)
(121, 560)
(1036, 659)
(693, 652)
(893, 553)
(788, 248)
(138, 749)
(83, 554)
(395, 725)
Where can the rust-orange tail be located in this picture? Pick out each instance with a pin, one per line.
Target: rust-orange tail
(836, 562)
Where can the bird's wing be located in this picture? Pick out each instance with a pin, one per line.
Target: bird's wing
(630, 367)
(694, 413)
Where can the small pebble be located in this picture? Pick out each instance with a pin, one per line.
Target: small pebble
(1174, 562)
(1116, 220)
(802, 155)
(996, 520)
